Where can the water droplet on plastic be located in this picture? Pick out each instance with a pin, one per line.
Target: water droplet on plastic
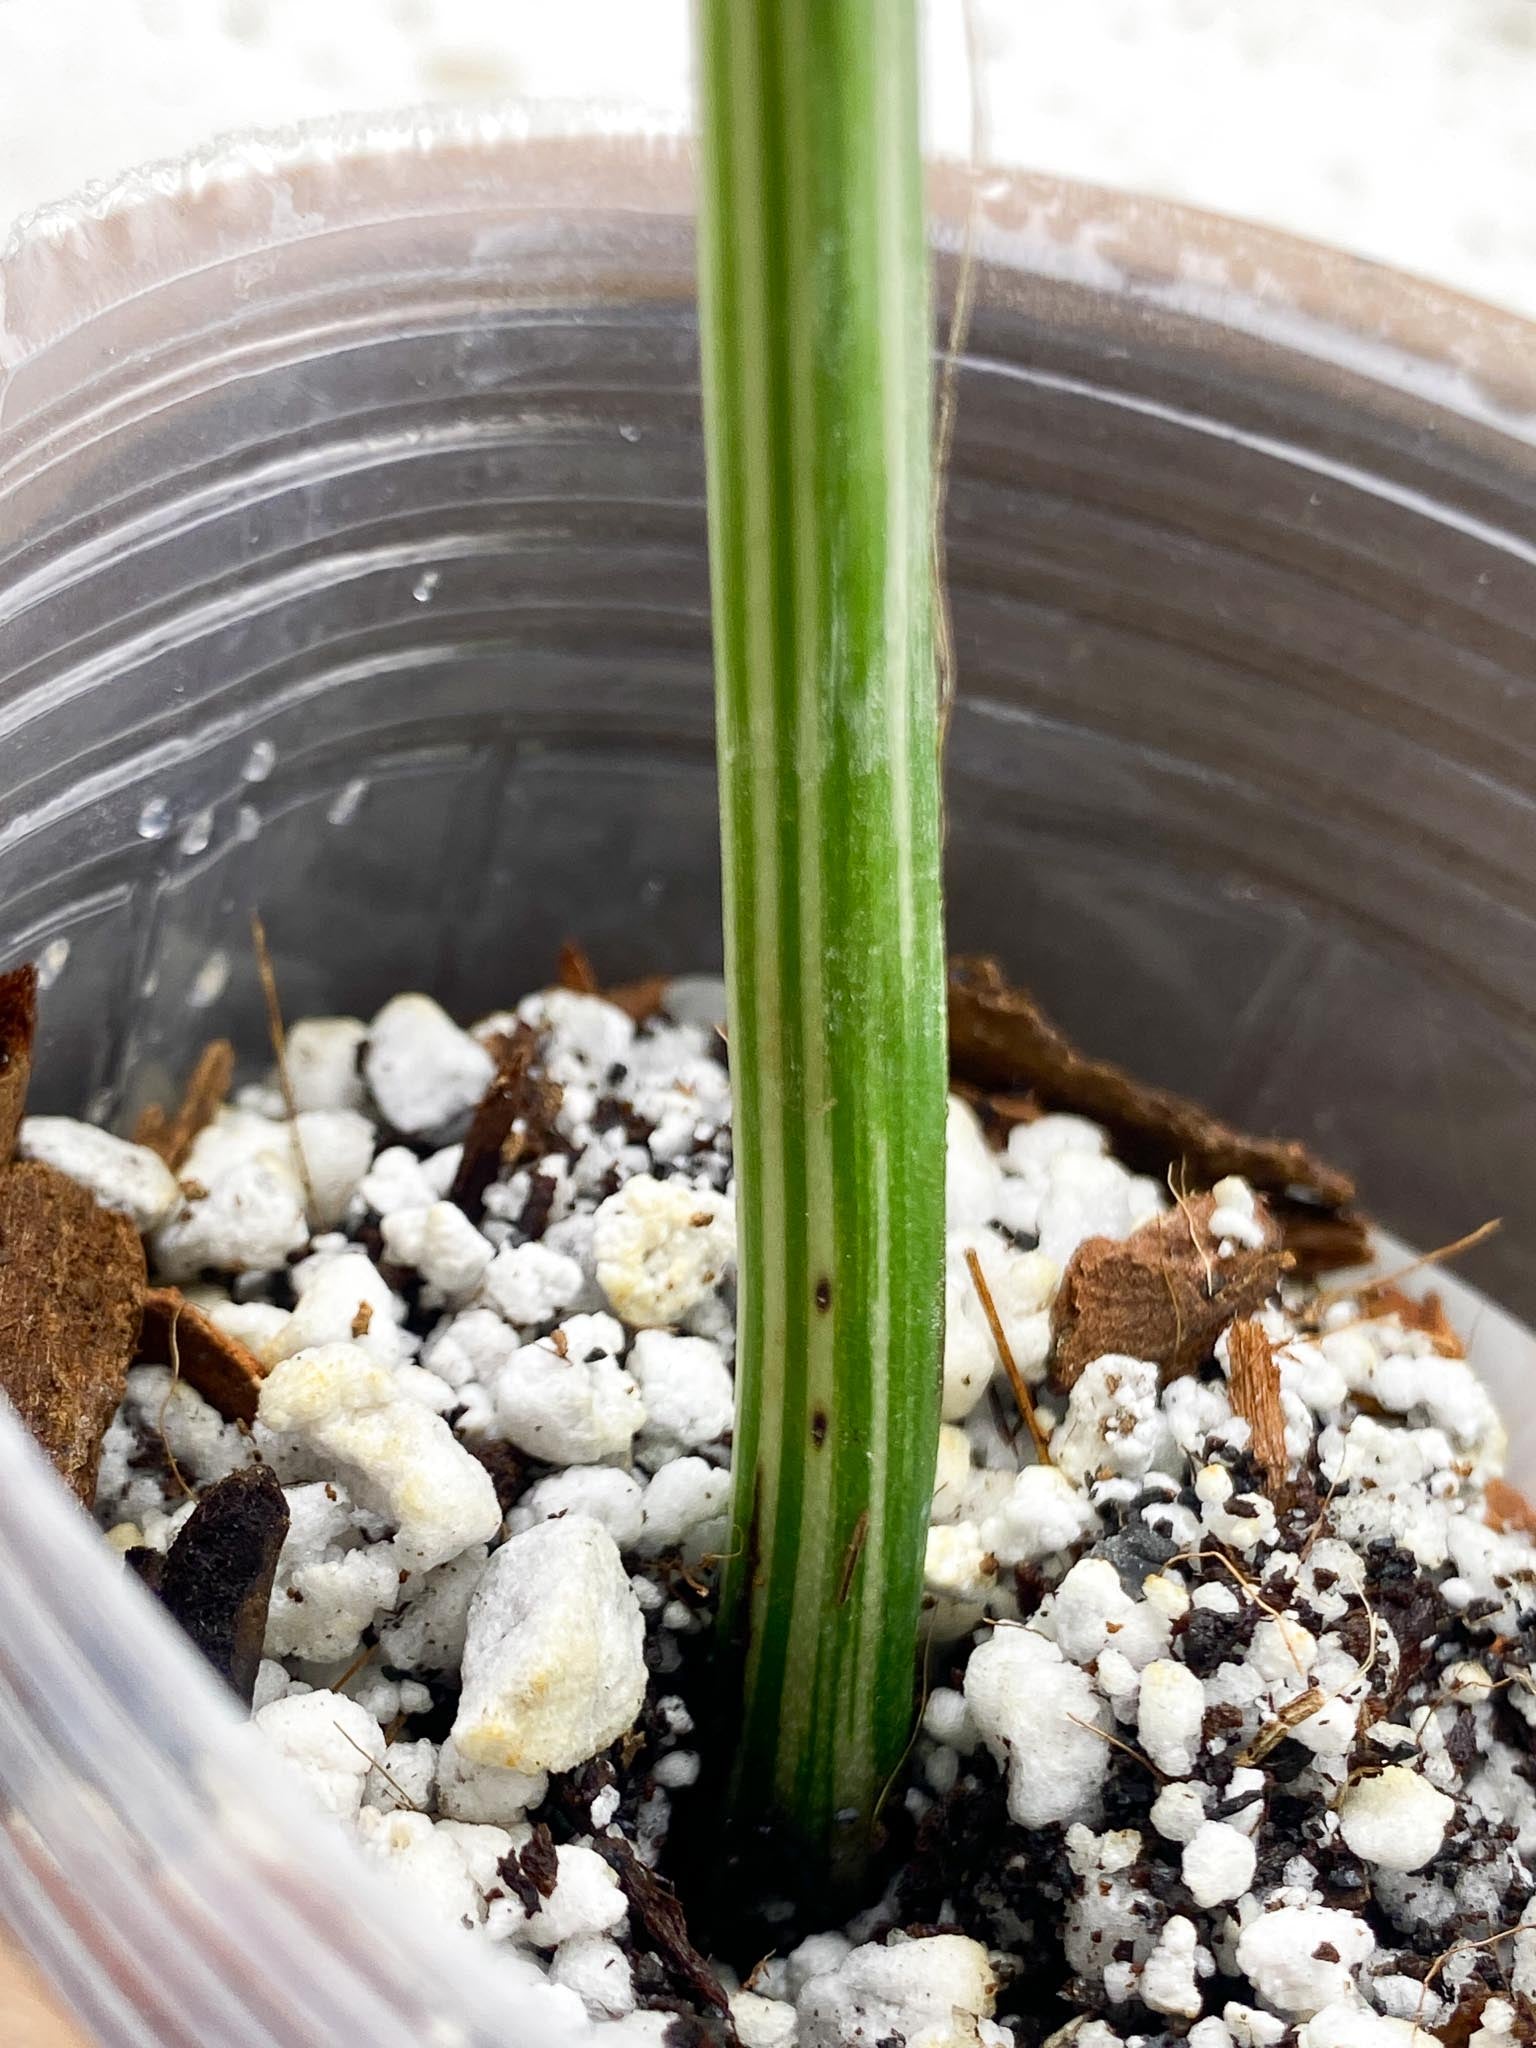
(196, 833)
(247, 824)
(155, 819)
(50, 962)
(629, 433)
(344, 805)
(259, 762)
(424, 586)
(210, 981)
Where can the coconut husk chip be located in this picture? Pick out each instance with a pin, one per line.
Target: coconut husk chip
(1253, 1384)
(1163, 1293)
(1321, 1240)
(71, 1280)
(18, 1021)
(216, 1365)
(1000, 1042)
(206, 1090)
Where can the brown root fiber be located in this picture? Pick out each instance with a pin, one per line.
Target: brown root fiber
(216, 1581)
(1253, 1382)
(1161, 1294)
(214, 1364)
(71, 1282)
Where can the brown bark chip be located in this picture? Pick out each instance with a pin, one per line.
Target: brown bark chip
(214, 1364)
(18, 1022)
(531, 1873)
(574, 969)
(203, 1096)
(1428, 1315)
(517, 1095)
(999, 1108)
(1322, 1240)
(1161, 1294)
(1506, 1508)
(216, 1583)
(658, 1919)
(637, 999)
(1253, 1382)
(999, 1040)
(71, 1280)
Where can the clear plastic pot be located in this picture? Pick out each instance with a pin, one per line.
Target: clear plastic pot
(352, 568)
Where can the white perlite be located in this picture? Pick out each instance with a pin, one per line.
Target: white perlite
(1113, 1423)
(567, 1399)
(531, 1285)
(554, 1665)
(1301, 1958)
(243, 1201)
(425, 1073)
(661, 1247)
(1348, 2024)
(337, 1298)
(1042, 1513)
(1169, 1711)
(121, 1176)
(485, 1792)
(1396, 1820)
(395, 1454)
(597, 1970)
(1218, 1863)
(687, 1390)
(1041, 1718)
(763, 2022)
(934, 1992)
(329, 1742)
(1168, 1975)
(321, 1057)
(442, 1244)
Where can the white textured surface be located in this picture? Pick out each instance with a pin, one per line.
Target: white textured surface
(1398, 128)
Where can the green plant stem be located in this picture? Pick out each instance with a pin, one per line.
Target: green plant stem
(814, 308)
